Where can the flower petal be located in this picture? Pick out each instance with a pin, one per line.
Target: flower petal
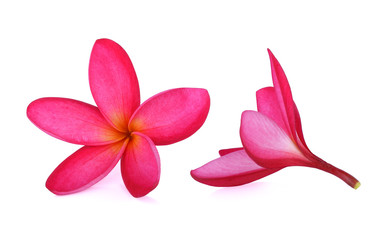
(223, 152)
(172, 115)
(233, 169)
(268, 105)
(113, 82)
(291, 121)
(72, 121)
(140, 165)
(284, 95)
(268, 144)
(301, 142)
(84, 168)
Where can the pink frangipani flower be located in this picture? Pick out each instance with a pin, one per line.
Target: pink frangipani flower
(119, 128)
(272, 139)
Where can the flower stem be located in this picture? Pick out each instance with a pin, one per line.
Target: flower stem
(347, 178)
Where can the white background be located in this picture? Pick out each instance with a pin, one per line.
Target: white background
(334, 54)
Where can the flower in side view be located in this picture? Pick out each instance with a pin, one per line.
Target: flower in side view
(272, 140)
(119, 128)
(273, 136)
(233, 168)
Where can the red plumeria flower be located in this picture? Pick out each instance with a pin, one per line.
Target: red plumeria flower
(272, 139)
(119, 128)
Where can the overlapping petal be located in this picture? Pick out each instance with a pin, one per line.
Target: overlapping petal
(72, 121)
(140, 165)
(172, 115)
(233, 169)
(268, 105)
(268, 144)
(84, 168)
(113, 82)
(284, 95)
(299, 131)
(223, 152)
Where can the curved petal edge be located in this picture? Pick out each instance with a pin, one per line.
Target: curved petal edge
(172, 115)
(84, 168)
(268, 144)
(233, 169)
(140, 165)
(72, 121)
(223, 152)
(113, 83)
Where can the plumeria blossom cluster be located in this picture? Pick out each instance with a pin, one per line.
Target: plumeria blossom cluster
(119, 127)
(272, 139)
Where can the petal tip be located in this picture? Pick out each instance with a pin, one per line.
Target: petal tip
(246, 113)
(52, 187)
(202, 92)
(224, 152)
(139, 194)
(269, 52)
(272, 57)
(104, 41)
(205, 91)
(30, 108)
(220, 152)
(193, 175)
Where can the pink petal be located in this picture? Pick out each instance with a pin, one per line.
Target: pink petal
(267, 104)
(140, 165)
(290, 121)
(172, 115)
(84, 168)
(72, 121)
(233, 169)
(284, 95)
(113, 82)
(268, 144)
(223, 152)
(300, 138)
